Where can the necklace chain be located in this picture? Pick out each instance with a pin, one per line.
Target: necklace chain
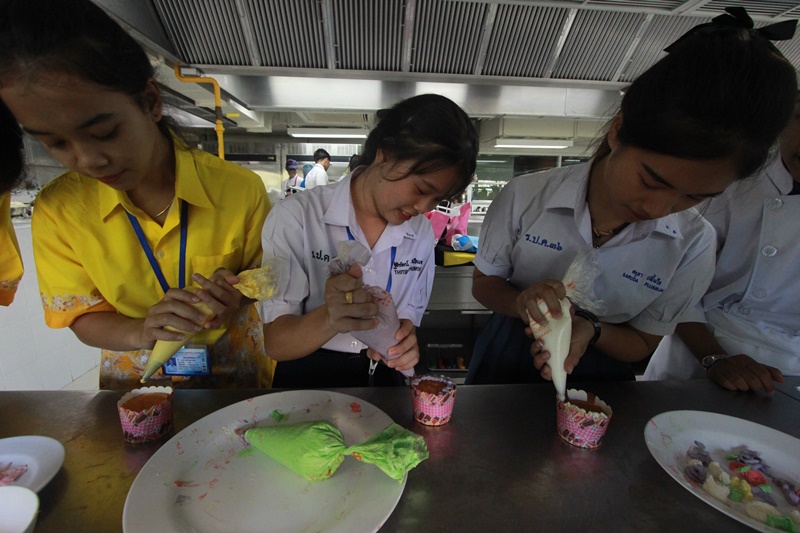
(600, 233)
(165, 209)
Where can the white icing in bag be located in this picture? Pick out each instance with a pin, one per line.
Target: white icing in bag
(556, 336)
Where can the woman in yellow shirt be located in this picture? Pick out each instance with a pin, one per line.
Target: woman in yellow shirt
(11, 163)
(139, 215)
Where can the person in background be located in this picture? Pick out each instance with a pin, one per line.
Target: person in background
(422, 151)
(139, 215)
(318, 175)
(306, 169)
(351, 165)
(293, 180)
(701, 118)
(11, 173)
(750, 335)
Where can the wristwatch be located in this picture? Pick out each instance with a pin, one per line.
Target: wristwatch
(709, 360)
(591, 317)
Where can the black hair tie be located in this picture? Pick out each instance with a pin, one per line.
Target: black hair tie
(737, 17)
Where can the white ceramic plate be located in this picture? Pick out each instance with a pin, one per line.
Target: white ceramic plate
(670, 435)
(43, 455)
(204, 480)
(18, 508)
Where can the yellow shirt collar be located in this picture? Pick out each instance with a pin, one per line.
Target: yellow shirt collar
(187, 186)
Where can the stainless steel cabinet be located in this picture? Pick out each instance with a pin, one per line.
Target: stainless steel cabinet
(451, 323)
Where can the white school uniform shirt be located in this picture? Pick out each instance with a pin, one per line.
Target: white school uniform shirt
(323, 215)
(316, 176)
(752, 303)
(290, 182)
(651, 274)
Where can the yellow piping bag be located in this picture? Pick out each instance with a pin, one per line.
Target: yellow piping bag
(163, 350)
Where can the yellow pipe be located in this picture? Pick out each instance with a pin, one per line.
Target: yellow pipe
(217, 105)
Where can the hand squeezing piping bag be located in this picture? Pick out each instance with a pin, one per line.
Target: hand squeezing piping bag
(163, 350)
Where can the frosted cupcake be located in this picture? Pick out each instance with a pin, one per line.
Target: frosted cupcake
(433, 398)
(145, 414)
(583, 419)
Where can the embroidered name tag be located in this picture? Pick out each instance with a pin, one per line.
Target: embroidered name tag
(537, 239)
(404, 267)
(652, 282)
(320, 256)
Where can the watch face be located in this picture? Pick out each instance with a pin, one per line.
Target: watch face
(708, 361)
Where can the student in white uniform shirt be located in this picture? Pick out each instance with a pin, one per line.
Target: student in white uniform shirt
(423, 150)
(293, 181)
(698, 120)
(318, 175)
(751, 334)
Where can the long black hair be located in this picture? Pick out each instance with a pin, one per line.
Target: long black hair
(430, 130)
(717, 94)
(73, 37)
(11, 151)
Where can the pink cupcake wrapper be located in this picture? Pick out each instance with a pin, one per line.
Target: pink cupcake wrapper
(433, 409)
(580, 428)
(433, 414)
(144, 426)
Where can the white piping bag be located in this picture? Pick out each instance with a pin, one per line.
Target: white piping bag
(557, 334)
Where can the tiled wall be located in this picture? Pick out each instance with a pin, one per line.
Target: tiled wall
(33, 356)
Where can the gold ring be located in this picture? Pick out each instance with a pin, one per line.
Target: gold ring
(349, 296)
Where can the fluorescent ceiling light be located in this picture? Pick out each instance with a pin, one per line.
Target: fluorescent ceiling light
(532, 143)
(328, 133)
(490, 161)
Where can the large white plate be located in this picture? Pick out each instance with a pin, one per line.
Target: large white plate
(43, 455)
(203, 479)
(670, 435)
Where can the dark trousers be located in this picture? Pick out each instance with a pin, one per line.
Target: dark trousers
(502, 354)
(328, 369)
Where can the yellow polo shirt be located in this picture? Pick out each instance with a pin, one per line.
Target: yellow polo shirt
(10, 260)
(89, 259)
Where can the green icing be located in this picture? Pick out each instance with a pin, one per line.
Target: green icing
(736, 494)
(277, 416)
(782, 522)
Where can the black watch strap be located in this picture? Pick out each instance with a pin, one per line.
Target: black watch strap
(710, 360)
(591, 317)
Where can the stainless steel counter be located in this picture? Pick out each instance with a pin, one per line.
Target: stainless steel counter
(498, 465)
(452, 290)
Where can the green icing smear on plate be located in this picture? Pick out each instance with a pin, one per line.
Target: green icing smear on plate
(277, 416)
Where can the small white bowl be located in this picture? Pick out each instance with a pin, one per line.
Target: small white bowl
(18, 509)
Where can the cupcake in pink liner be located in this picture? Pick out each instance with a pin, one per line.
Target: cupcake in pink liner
(582, 419)
(433, 398)
(145, 414)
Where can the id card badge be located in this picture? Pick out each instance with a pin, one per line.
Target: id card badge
(191, 360)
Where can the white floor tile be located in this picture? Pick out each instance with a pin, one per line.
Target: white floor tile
(88, 381)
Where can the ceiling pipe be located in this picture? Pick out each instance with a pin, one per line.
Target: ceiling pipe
(218, 127)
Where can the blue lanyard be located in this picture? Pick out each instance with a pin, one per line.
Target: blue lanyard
(149, 253)
(391, 264)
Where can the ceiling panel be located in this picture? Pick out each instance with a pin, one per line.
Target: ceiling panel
(368, 35)
(287, 33)
(596, 45)
(524, 40)
(756, 8)
(447, 36)
(635, 5)
(204, 31)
